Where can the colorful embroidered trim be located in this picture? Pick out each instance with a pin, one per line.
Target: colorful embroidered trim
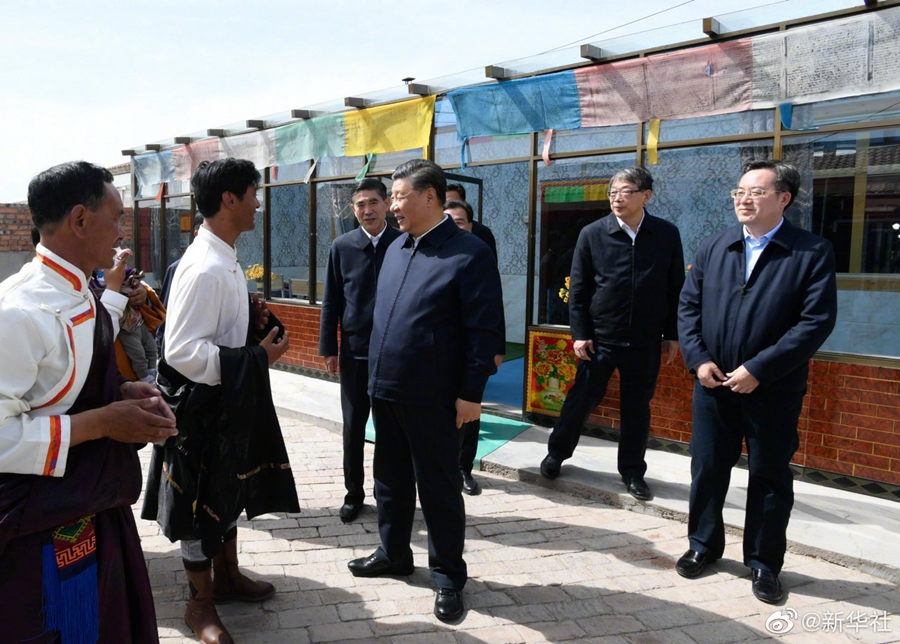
(53, 449)
(84, 317)
(69, 275)
(68, 386)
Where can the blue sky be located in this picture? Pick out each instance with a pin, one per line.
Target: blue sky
(84, 80)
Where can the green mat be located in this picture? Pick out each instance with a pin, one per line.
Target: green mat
(495, 432)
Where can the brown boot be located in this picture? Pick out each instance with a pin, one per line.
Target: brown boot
(231, 584)
(201, 613)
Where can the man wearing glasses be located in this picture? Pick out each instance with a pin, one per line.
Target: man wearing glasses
(627, 272)
(759, 301)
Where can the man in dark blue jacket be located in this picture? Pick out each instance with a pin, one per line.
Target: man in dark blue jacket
(759, 301)
(350, 279)
(434, 338)
(626, 275)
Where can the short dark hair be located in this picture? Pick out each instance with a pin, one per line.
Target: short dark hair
(370, 183)
(211, 179)
(35, 236)
(457, 187)
(787, 177)
(637, 175)
(422, 175)
(54, 192)
(463, 205)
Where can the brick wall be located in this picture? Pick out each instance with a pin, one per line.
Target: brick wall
(302, 325)
(15, 227)
(850, 421)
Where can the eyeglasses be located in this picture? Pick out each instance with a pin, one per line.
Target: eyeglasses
(625, 193)
(753, 193)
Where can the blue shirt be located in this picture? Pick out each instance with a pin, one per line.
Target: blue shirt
(753, 248)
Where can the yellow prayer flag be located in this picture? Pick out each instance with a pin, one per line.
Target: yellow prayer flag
(653, 142)
(389, 128)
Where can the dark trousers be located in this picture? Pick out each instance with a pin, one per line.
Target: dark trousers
(722, 421)
(419, 447)
(468, 445)
(638, 368)
(355, 407)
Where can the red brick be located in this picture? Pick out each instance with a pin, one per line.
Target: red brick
(829, 429)
(826, 379)
(886, 373)
(888, 451)
(865, 409)
(849, 444)
(879, 398)
(879, 438)
(829, 465)
(815, 403)
(871, 384)
(820, 451)
(868, 460)
(854, 420)
(876, 475)
(854, 370)
(834, 393)
(888, 412)
(825, 416)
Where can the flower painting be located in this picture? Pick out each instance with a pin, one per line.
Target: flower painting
(552, 367)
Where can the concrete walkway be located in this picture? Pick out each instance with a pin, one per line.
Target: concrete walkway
(545, 564)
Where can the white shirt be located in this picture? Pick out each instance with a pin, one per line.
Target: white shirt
(375, 238)
(753, 248)
(627, 228)
(47, 321)
(209, 307)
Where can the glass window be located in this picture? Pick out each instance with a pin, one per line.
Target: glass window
(486, 148)
(179, 228)
(590, 138)
(851, 185)
(857, 109)
(390, 161)
(249, 248)
(149, 255)
(287, 173)
(178, 187)
(705, 127)
(571, 195)
(289, 245)
(690, 188)
(339, 166)
(505, 213)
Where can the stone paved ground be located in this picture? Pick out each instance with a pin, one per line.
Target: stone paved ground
(544, 566)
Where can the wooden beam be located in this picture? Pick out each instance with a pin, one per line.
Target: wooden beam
(301, 114)
(153, 147)
(591, 52)
(215, 131)
(496, 72)
(182, 140)
(870, 3)
(129, 153)
(255, 124)
(418, 88)
(354, 101)
(711, 27)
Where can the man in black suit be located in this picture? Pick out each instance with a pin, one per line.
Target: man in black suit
(626, 275)
(462, 215)
(434, 337)
(352, 273)
(456, 192)
(760, 300)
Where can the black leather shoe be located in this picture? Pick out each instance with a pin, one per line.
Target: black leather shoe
(349, 511)
(375, 566)
(550, 467)
(766, 586)
(638, 488)
(448, 605)
(693, 563)
(470, 485)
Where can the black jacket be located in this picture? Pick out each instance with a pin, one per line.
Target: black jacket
(353, 267)
(484, 233)
(437, 319)
(773, 324)
(626, 293)
(229, 454)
